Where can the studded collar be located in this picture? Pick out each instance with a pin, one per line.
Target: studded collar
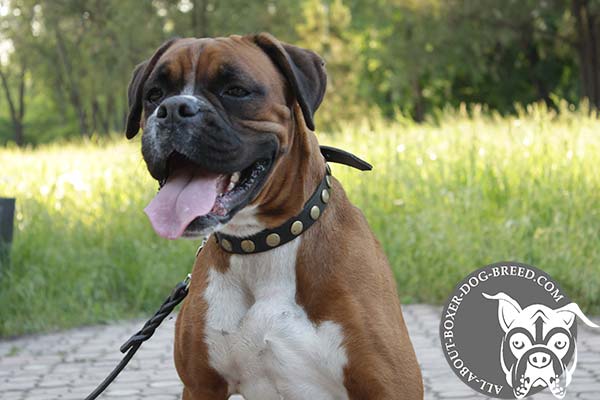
(268, 239)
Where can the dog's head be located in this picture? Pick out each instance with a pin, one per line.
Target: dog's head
(538, 348)
(217, 116)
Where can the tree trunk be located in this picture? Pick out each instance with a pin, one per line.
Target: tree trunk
(17, 112)
(100, 119)
(74, 93)
(60, 97)
(95, 115)
(594, 22)
(19, 133)
(588, 46)
(533, 57)
(199, 20)
(419, 102)
(110, 121)
(105, 119)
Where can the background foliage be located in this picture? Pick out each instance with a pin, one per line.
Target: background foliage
(480, 118)
(65, 63)
(442, 199)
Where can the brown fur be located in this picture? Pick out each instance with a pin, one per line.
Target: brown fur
(352, 284)
(341, 272)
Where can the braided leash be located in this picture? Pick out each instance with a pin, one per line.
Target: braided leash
(132, 345)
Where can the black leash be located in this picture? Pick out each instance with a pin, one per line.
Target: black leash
(132, 345)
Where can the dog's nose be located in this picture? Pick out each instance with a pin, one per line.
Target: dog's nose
(177, 108)
(539, 359)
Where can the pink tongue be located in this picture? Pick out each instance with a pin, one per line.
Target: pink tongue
(185, 196)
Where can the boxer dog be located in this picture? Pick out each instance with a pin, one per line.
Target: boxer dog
(538, 345)
(275, 310)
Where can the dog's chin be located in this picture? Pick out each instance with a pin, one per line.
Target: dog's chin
(235, 192)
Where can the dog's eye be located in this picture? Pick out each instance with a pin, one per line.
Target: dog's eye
(517, 344)
(236, 91)
(560, 344)
(559, 341)
(154, 95)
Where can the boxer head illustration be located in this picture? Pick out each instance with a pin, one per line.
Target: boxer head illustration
(538, 348)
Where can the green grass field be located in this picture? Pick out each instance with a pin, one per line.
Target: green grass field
(443, 198)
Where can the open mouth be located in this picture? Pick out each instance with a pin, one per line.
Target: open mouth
(192, 198)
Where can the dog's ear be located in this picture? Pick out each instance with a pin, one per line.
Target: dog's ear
(508, 309)
(570, 311)
(135, 90)
(303, 69)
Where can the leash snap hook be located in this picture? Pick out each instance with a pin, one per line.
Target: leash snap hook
(187, 281)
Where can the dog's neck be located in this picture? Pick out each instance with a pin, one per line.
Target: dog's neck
(295, 177)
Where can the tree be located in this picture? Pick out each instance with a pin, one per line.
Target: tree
(14, 74)
(73, 58)
(16, 102)
(586, 14)
(325, 27)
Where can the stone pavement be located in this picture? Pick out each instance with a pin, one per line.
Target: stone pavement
(69, 365)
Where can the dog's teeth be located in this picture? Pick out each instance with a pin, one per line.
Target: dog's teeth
(233, 180)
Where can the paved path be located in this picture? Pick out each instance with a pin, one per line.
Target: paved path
(68, 365)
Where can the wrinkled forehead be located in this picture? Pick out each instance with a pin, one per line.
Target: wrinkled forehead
(541, 315)
(192, 60)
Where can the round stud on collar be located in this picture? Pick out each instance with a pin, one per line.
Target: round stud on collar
(226, 244)
(248, 246)
(296, 228)
(315, 212)
(312, 210)
(325, 195)
(273, 239)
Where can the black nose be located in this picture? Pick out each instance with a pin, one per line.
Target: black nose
(178, 108)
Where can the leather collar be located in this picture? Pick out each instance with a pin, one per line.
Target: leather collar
(268, 239)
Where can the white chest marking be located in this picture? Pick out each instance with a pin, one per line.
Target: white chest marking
(261, 341)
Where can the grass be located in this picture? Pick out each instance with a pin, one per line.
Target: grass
(444, 198)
